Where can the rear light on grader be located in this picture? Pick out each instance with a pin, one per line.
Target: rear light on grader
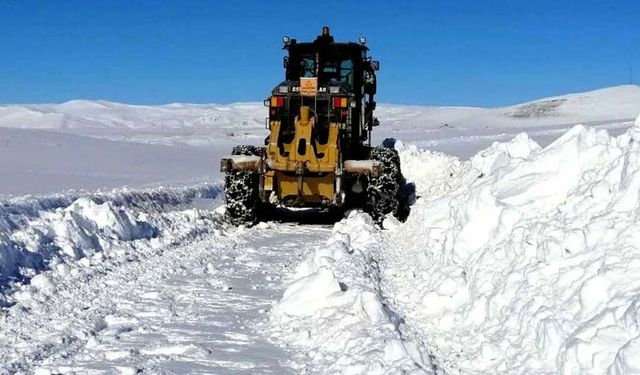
(340, 102)
(277, 101)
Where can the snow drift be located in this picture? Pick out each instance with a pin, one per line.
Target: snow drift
(528, 259)
(41, 233)
(333, 309)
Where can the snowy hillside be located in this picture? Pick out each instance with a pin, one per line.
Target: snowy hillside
(53, 147)
(464, 131)
(614, 103)
(86, 114)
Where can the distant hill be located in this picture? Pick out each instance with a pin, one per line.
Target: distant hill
(85, 144)
(609, 104)
(613, 103)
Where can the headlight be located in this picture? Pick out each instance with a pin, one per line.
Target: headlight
(334, 89)
(283, 89)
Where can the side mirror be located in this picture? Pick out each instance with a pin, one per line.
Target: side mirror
(375, 65)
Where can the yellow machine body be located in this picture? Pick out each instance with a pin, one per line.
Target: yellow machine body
(303, 170)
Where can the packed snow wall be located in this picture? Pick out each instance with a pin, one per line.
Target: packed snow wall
(530, 262)
(38, 233)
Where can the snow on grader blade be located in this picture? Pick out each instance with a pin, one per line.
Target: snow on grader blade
(318, 152)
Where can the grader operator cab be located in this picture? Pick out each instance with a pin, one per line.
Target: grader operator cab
(318, 152)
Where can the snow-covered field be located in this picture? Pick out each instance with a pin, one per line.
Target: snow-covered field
(89, 145)
(520, 256)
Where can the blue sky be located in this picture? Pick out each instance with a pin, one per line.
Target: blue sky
(466, 52)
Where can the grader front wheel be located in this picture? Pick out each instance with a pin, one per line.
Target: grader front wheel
(384, 193)
(241, 191)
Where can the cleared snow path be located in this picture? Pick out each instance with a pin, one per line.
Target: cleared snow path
(200, 315)
(144, 281)
(192, 308)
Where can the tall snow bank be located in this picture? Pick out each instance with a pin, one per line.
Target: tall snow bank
(83, 227)
(501, 154)
(433, 173)
(76, 231)
(39, 233)
(333, 310)
(532, 265)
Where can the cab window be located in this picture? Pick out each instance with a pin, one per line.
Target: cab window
(346, 72)
(308, 67)
(341, 71)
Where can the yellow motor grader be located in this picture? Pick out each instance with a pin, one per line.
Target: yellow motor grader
(318, 152)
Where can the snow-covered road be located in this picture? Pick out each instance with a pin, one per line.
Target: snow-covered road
(196, 309)
(147, 281)
(193, 308)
